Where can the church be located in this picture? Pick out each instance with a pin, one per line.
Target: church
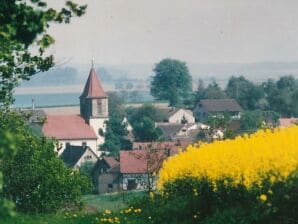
(86, 128)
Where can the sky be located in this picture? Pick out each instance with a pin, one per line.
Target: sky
(195, 31)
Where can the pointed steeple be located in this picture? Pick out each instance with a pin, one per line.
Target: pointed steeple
(93, 88)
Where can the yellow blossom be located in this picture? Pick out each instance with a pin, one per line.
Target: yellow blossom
(263, 197)
(248, 160)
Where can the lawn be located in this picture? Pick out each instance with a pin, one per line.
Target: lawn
(95, 204)
(112, 201)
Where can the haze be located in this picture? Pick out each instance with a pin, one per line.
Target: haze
(196, 31)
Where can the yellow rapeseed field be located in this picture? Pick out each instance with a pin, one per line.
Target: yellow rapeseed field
(247, 160)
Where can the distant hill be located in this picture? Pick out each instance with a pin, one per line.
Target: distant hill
(77, 73)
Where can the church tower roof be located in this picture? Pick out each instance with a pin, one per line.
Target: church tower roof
(93, 88)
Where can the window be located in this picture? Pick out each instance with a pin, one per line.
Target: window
(99, 107)
(131, 184)
(88, 157)
(110, 185)
(84, 144)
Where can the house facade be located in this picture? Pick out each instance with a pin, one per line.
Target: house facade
(106, 175)
(178, 116)
(74, 156)
(217, 107)
(86, 128)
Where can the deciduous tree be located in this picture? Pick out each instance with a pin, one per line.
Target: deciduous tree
(171, 81)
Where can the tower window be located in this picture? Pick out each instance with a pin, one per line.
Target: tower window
(99, 107)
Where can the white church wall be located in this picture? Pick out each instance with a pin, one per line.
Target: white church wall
(97, 124)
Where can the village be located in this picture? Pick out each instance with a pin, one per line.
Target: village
(80, 136)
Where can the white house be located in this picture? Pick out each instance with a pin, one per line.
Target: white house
(75, 156)
(178, 116)
(86, 128)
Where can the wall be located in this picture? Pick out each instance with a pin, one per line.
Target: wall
(83, 159)
(141, 181)
(178, 116)
(96, 124)
(106, 179)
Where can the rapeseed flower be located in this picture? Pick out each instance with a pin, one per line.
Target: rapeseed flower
(249, 160)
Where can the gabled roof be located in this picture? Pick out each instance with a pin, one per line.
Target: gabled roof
(67, 127)
(93, 88)
(137, 161)
(111, 161)
(170, 111)
(169, 130)
(72, 154)
(173, 146)
(220, 105)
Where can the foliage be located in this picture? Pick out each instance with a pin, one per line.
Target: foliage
(34, 178)
(116, 131)
(245, 92)
(23, 26)
(282, 95)
(171, 81)
(136, 115)
(252, 179)
(251, 121)
(146, 130)
(212, 91)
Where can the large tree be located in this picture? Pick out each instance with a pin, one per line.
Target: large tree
(23, 30)
(245, 92)
(35, 179)
(171, 81)
(23, 27)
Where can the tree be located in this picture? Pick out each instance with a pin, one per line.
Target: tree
(23, 25)
(116, 131)
(35, 179)
(136, 115)
(171, 81)
(281, 95)
(245, 92)
(212, 91)
(251, 121)
(146, 130)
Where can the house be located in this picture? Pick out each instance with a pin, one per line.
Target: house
(137, 168)
(174, 131)
(85, 128)
(287, 122)
(74, 156)
(178, 115)
(172, 146)
(217, 107)
(106, 175)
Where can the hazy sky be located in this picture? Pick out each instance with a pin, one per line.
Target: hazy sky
(200, 31)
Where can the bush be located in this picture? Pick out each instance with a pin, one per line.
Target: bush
(252, 179)
(34, 178)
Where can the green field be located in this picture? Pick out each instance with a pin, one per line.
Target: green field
(94, 205)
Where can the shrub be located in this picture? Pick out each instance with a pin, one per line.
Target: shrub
(252, 179)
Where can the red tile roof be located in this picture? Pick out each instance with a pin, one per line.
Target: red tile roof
(287, 122)
(141, 161)
(111, 161)
(174, 146)
(64, 127)
(93, 88)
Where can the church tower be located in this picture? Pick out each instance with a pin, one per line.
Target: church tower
(94, 105)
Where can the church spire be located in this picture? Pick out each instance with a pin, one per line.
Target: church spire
(93, 87)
